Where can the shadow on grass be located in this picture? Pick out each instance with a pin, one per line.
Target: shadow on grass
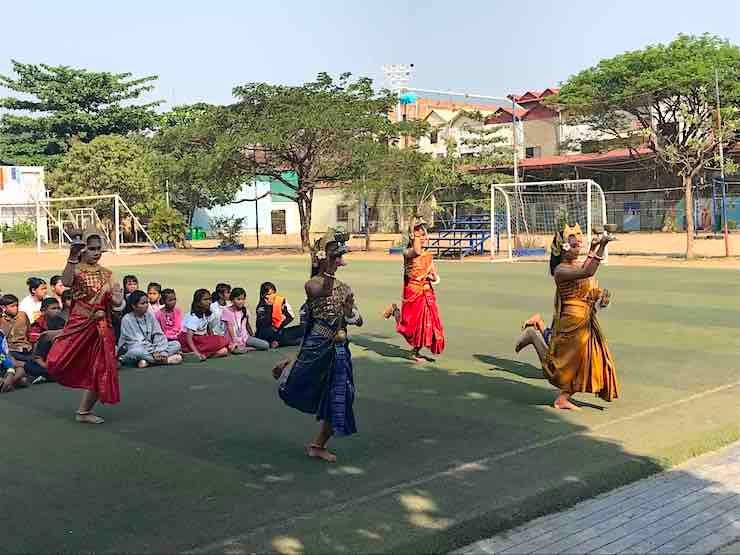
(523, 369)
(443, 458)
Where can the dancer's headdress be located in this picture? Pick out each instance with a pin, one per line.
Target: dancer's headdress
(560, 241)
(333, 243)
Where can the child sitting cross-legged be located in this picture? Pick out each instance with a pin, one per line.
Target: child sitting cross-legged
(238, 327)
(142, 341)
(15, 326)
(12, 374)
(170, 316)
(198, 335)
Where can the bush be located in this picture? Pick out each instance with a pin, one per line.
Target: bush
(731, 224)
(22, 233)
(168, 226)
(228, 230)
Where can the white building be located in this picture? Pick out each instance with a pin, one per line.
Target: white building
(22, 192)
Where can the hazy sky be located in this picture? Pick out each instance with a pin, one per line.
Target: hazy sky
(201, 49)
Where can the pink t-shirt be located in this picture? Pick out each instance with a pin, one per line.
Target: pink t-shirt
(239, 321)
(171, 322)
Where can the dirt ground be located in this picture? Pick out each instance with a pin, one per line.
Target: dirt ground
(19, 259)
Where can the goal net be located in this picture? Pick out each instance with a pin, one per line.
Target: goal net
(525, 216)
(55, 222)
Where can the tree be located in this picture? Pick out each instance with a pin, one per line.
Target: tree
(668, 90)
(58, 104)
(312, 130)
(109, 164)
(185, 156)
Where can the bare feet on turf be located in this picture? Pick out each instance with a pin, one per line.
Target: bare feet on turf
(88, 418)
(174, 359)
(563, 402)
(142, 364)
(391, 310)
(278, 369)
(317, 452)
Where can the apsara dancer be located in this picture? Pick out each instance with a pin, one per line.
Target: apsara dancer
(574, 354)
(84, 354)
(321, 380)
(418, 321)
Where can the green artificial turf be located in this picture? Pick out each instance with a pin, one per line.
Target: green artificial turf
(447, 453)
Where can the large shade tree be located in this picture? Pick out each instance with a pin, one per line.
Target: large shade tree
(50, 106)
(187, 162)
(312, 130)
(668, 90)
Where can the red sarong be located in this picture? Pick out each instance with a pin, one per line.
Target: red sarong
(207, 345)
(420, 323)
(84, 354)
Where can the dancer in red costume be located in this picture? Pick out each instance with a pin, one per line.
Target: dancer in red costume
(418, 320)
(84, 355)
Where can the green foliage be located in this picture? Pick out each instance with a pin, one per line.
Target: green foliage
(108, 164)
(21, 233)
(668, 91)
(168, 226)
(186, 156)
(313, 130)
(666, 94)
(228, 230)
(731, 224)
(53, 105)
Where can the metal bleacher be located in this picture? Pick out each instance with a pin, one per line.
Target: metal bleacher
(461, 237)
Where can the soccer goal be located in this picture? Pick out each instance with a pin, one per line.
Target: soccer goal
(56, 221)
(525, 216)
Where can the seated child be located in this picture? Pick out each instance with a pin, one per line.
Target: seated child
(274, 314)
(130, 284)
(50, 308)
(197, 334)
(54, 325)
(219, 301)
(238, 328)
(154, 293)
(15, 326)
(31, 303)
(57, 288)
(142, 342)
(12, 374)
(170, 317)
(66, 304)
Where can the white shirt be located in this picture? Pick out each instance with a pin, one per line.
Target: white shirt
(199, 325)
(32, 307)
(218, 326)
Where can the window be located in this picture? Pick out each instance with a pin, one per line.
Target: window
(342, 213)
(278, 222)
(533, 152)
(434, 137)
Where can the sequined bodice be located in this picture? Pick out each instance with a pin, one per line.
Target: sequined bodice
(89, 282)
(330, 309)
(419, 267)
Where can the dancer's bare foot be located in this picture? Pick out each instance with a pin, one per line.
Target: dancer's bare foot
(390, 311)
(317, 452)
(88, 417)
(563, 402)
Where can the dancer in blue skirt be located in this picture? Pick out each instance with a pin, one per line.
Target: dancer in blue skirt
(320, 380)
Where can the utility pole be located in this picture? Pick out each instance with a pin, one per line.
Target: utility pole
(722, 164)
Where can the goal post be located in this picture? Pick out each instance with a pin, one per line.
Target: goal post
(526, 215)
(54, 220)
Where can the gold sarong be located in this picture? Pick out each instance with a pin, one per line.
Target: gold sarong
(578, 359)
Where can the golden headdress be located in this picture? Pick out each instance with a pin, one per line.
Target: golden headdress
(560, 241)
(332, 243)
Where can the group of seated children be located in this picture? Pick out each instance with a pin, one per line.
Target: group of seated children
(27, 330)
(153, 330)
(150, 329)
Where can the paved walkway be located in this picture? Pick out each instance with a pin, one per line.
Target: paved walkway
(693, 508)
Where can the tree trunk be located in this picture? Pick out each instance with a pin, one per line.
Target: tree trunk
(689, 199)
(304, 212)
